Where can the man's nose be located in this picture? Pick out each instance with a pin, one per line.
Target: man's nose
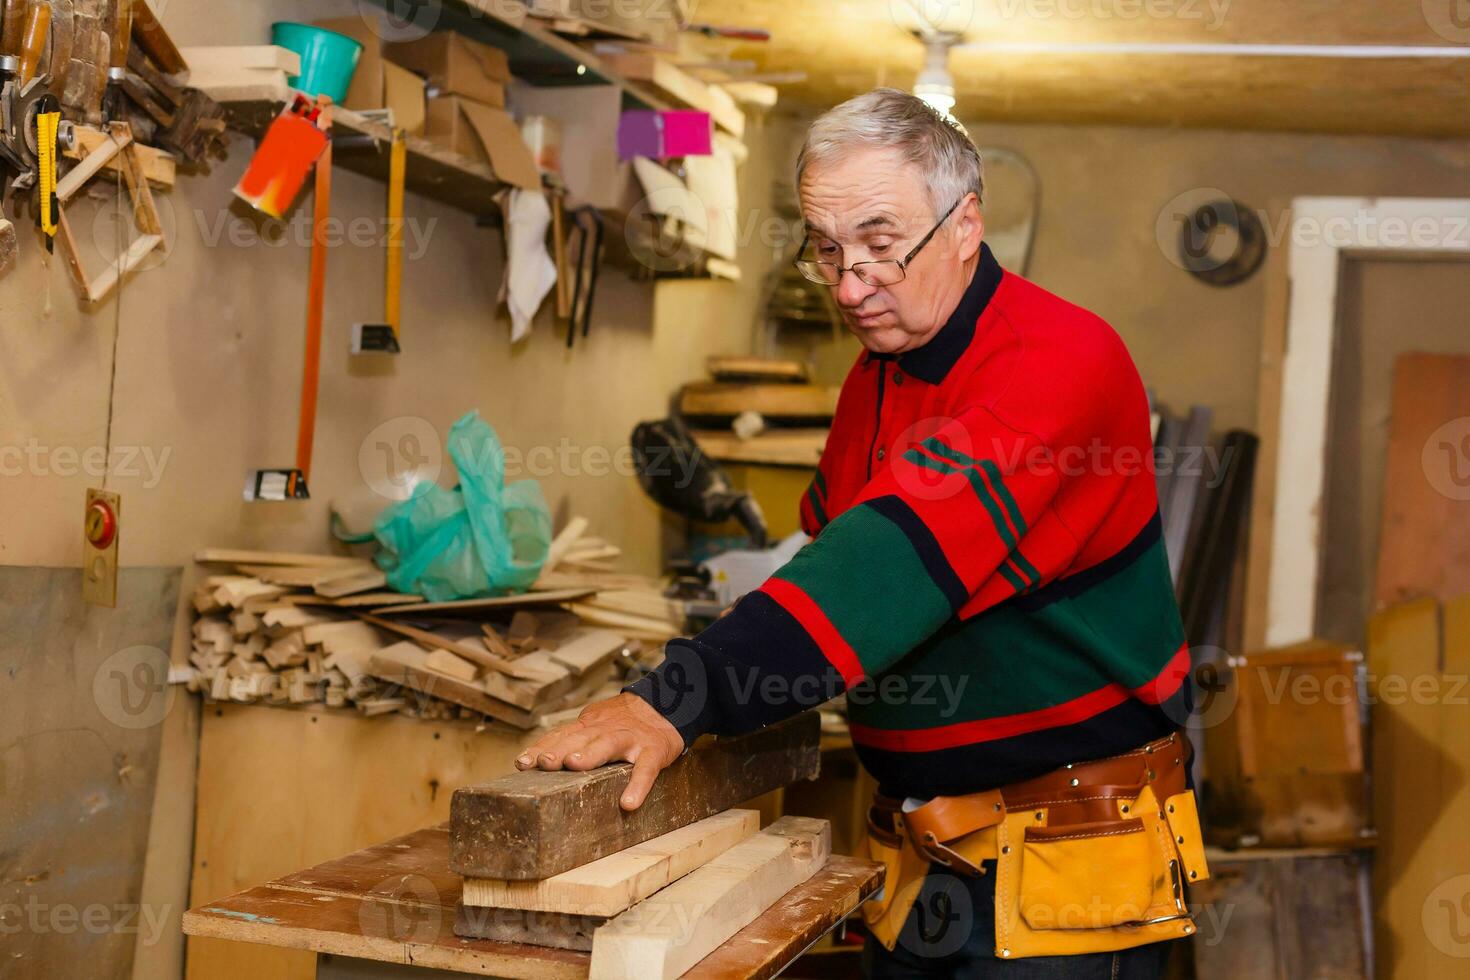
(850, 291)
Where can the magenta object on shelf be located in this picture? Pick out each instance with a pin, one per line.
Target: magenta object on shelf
(662, 134)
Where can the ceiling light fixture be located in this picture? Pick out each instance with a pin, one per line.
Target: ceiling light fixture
(935, 85)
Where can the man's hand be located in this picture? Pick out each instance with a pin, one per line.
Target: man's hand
(622, 728)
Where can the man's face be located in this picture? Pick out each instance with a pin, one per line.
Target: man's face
(872, 205)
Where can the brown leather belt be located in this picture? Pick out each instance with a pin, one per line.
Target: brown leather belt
(1083, 793)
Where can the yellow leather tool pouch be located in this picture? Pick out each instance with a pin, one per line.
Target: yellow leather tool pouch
(1093, 887)
(1087, 875)
(904, 871)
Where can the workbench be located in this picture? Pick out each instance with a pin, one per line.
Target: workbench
(388, 911)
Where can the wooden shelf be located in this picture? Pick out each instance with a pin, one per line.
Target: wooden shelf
(361, 145)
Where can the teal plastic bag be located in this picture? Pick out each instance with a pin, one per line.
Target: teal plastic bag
(481, 538)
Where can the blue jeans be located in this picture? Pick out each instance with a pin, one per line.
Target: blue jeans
(950, 932)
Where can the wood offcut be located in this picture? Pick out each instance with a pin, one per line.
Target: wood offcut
(538, 824)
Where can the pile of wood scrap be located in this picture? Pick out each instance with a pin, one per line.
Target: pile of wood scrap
(634, 605)
(550, 859)
(292, 628)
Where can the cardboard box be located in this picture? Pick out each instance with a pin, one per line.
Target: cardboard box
(376, 84)
(485, 134)
(455, 65)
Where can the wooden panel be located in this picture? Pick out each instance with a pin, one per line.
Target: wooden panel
(1280, 915)
(83, 701)
(283, 788)
(1424, 547)
(609, 885)
(1410, 766)
(774, 447)
(537, 824)
(706, 398)
(666, 934)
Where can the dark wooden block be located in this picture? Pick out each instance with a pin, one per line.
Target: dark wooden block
(556, 929)
(536, 824)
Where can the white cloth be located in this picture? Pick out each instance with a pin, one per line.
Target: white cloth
(530, 273)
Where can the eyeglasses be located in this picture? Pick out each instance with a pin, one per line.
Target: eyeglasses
(878, 272)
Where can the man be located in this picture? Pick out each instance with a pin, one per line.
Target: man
(987, 583)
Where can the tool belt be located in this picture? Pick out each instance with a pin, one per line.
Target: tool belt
(1090, 858)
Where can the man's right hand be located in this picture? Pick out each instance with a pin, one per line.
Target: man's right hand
(623, 728)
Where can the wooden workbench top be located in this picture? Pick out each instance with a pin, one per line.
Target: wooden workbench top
(395, 902)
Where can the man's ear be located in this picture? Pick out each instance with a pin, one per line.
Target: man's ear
(970, 227)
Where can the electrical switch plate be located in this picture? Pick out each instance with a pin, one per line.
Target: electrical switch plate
(100, 531)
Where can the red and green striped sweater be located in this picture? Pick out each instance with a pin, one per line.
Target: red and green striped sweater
(987, 581)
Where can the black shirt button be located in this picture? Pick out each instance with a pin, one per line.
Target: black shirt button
(897, 377)
(881, 454)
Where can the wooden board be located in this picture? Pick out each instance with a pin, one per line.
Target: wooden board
(395, 902)
(284, 789)
(237, 556)
(538, 824)
(1424, 546)
(508, 603)
(406, 664)
(728, 367)
(1280, 915)
(663, 936)
(774, 447)
(609, 885)
(1403, 647)
(706, 398)
(460, 648)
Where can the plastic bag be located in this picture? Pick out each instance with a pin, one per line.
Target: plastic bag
(480, 538)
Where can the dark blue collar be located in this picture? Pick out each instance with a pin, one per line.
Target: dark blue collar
(933, 361)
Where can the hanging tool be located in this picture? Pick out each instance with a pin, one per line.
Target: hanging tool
(587, 227)
(291, 483)
(117, 67)
(33, 40)
(48, 210)
(383, 338)
(562, 299)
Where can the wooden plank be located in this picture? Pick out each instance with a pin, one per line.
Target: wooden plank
(705, 398)
(445, 662)
(465, 649)
(538, 824)
(395, 902)
(158, 166)
(727, 367)
(774, 447)
(610, 885)
(1403, 650)
(587, 650)
(550, 680)
(666, 934)
(507, 603)
(405, 664)
(799, 918)
(237, 556)
(1424, 543)
(356, 580)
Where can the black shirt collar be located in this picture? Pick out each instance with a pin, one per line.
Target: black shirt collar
(932, 362)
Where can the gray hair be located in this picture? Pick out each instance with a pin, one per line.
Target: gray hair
(887, 118)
